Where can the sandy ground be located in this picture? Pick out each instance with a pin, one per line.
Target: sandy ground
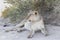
(53, 31)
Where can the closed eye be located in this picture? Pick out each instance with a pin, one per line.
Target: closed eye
(22, 26)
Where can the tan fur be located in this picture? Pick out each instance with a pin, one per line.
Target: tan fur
(34, 23)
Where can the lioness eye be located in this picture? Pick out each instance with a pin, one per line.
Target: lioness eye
(35, 13)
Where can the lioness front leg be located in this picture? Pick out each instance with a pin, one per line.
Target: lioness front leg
(31, 33)
(43, 30)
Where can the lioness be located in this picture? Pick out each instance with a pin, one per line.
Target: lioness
(34, 23)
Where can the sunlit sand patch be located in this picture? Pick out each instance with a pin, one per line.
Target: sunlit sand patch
(3, 6)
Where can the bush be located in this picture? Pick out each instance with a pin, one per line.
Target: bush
(20, 8)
